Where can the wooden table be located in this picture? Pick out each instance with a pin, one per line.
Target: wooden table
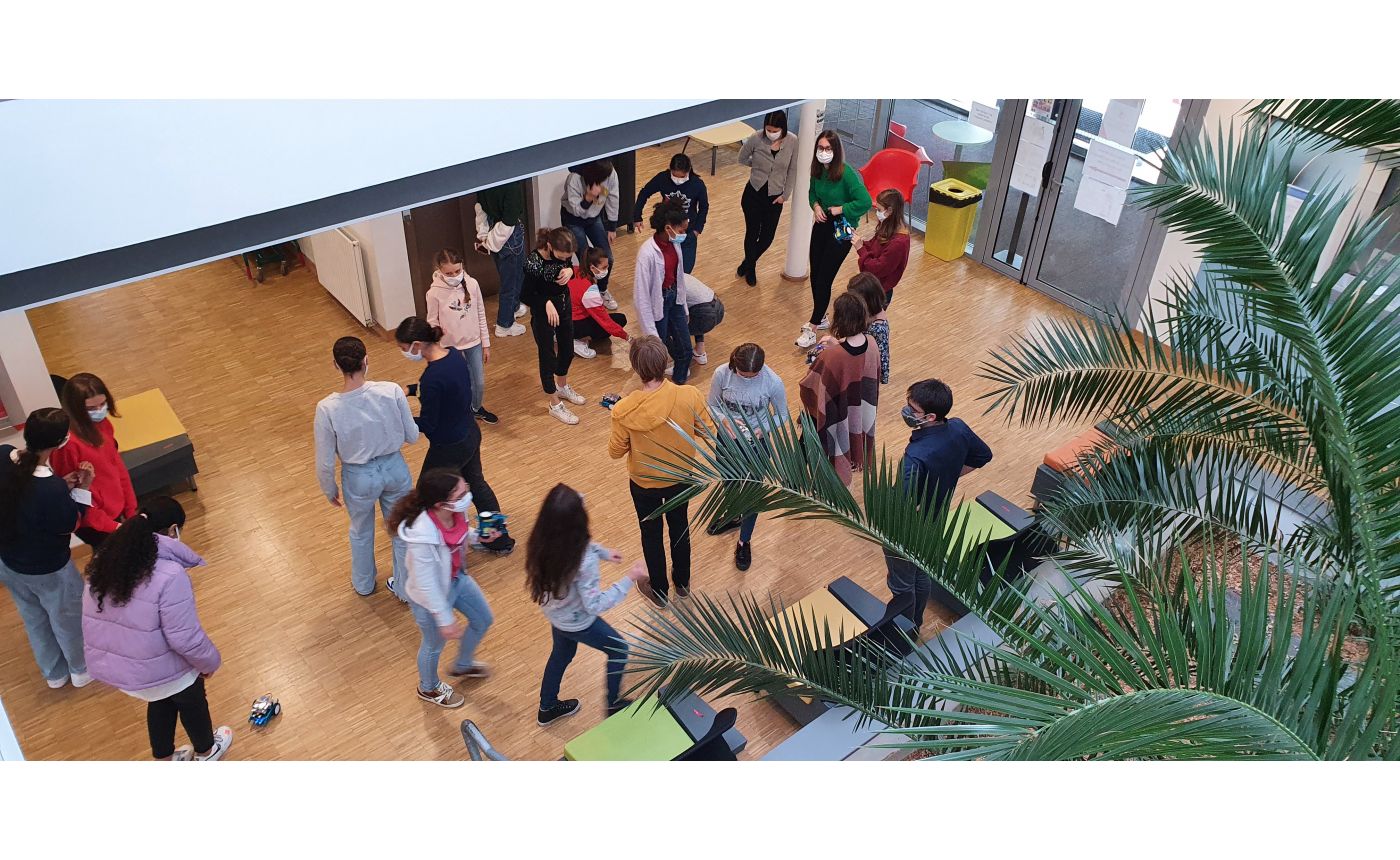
(714, 138)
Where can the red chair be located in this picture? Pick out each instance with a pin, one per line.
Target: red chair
(892, 168)
(898, 128)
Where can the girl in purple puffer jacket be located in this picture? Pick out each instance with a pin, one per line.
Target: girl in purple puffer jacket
(141, 633)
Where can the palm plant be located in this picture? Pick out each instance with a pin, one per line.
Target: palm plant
(1276, 363)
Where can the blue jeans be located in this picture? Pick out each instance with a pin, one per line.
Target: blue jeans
(589, 231)
(674, 330)
(688, 251)
(478, 369)
(598, 635)
(904, 578)
(465, 596)
(51, 606)
(746, 527)
(384, 480)
(510, 265)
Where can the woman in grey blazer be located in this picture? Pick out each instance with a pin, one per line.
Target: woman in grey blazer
(772, 171)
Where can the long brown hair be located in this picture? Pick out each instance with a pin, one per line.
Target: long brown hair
(446, 257)
(558, 239)
(868, 287)
(838, 159)
(893, 202)
(433, 488)
(76, 391)
(557, 544)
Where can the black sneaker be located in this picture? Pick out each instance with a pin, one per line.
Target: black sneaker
(565, 708)
(742, 270)
(718, 528)
(743, 555)
(619, 705)
(682, 591)
(751, 278)
(483, 415)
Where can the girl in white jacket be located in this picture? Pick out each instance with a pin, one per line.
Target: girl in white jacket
(431, 521)
(455, 305)
(561, 564)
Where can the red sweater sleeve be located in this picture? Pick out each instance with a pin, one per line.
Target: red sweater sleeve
(601, 315)
(885, 260)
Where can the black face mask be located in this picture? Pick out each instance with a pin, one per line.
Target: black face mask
(907, 413)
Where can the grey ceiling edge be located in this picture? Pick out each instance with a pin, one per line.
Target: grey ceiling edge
(119, 265)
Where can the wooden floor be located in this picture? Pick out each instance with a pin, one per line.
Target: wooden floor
(244, 365)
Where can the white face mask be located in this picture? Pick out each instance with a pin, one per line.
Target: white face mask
(824, 156)
(772, 135)
(176, 529)
(97, 414)
(461, 505)
(681, 181)
(452, 281)
(881, 214)
(600, 275)
(411, 355)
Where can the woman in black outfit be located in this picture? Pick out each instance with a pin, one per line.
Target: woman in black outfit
(445, 416)
(546, 292)
(38, 513)
(769, 156)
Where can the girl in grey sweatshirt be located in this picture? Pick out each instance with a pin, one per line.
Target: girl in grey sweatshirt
(561, 565)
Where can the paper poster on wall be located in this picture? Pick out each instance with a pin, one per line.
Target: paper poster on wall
(983, 116)
(1109, 164)
(1041, 108)
(1037, 132)
(1100, 200)
(1026, 171)
(1120, 120)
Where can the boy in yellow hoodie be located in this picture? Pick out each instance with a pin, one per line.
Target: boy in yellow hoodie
(642, 432)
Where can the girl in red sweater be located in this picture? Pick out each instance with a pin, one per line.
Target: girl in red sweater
(88, 403)
(885, 254)
(591, 319)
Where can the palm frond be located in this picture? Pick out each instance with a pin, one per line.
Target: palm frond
(1337, 123)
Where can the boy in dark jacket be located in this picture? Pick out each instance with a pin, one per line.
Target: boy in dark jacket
(678, 183)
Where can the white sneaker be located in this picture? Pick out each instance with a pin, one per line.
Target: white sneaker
(825, 323)
(560, 411)
(583, 350)
(520, 311)
(444, 696)
(568, 393)
(57, 683)
(808, 338)
(394, 590)
(184, 753)
(608, 301)
(80, 679)
(702, 358)
(515, 330)
(670, 368)
(223, 739)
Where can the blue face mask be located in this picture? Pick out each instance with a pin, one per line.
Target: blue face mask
(915, 421)
(97, 414)
(676, 240)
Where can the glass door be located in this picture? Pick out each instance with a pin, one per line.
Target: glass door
(1027, 165)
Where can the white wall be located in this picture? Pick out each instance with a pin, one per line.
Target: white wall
(24, 377)
(546, 190)
(386, 268)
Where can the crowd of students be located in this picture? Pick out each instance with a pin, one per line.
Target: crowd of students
(133, 625)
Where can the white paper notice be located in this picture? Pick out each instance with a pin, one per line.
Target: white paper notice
(1037, 132)
(1109, 164)
(1028, 168)
(983, 116)
(1120, 120)
(1100, 200)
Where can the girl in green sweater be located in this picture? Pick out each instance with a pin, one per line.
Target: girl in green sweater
(838, 198)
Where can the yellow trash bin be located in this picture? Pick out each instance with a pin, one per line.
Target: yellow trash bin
(952, 207)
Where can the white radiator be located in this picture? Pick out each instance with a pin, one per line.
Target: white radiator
(340, 267)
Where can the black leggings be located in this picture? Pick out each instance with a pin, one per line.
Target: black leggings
(761, 216)
(589, 329)
(465, 458)
(555, 343)
(192, 708)
(825, 258)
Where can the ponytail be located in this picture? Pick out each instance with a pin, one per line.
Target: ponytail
(44, 430)
(128, 555)
(417, 330)
(559, 239)
(433, 488)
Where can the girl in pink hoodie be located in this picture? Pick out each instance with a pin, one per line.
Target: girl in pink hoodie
(141, 633)
(455, 306)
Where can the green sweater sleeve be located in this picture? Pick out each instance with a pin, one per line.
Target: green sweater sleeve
(812, 192)
(855, 192)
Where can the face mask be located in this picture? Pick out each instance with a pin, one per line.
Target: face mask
(177, 533)
(65, 441)
(683, 180)
(824, 156)
(97, 414)
(772, 135)
(461, 505)
(452, 281)
(881, 214)
(411, 355)
(907, 413)
(600, 275)
(678, 238)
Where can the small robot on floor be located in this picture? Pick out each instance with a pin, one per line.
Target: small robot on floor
(264, 709)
